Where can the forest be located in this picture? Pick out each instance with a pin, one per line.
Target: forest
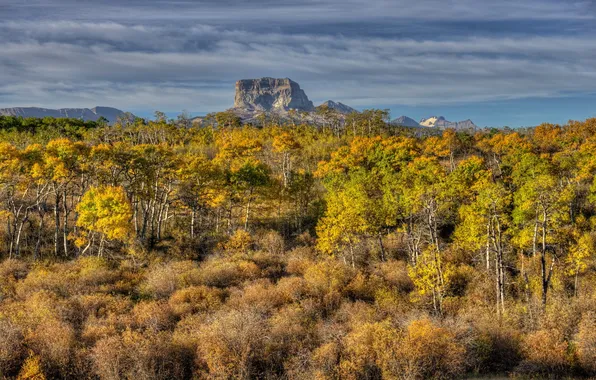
(349, 250)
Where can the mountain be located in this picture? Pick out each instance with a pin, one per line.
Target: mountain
(271, 94)
(405, 121)
(432, 121)
(441, 123)
(339, 107)
(86, 114)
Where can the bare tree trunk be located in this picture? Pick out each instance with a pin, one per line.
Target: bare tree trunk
(65, 223)
(488, 238)
(57, 225)
(39, 236)
(352, 257)
(380, 237)
(192, 224)
(247, 210)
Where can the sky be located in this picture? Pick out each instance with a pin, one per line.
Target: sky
(500, 63)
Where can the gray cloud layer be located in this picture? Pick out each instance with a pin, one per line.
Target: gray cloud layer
(186, 55)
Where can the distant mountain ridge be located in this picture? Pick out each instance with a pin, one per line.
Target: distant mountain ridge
(438, 122)
(337, 106)
(254, 98)
(86, 114)
(405, 121)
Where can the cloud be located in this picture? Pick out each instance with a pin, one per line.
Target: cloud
(309, 11)
(147, 55)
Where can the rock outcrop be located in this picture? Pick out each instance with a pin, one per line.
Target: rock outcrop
(271, 94)
(337, 106)
(86, 114)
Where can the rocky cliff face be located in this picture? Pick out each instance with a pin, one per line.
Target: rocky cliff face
(271, 94)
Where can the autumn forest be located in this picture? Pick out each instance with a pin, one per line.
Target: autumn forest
(354, 249)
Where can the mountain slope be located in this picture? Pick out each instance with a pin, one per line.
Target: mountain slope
(337, 106)
(86, 114)
(405, 121)
(442, 123)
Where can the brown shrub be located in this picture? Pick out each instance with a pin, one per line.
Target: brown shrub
(544, 351)
(271, 242)
(271, 266)
(328, 276)
(109, 358)
(492, 348)
(325, 361)
(430, 351)
(327, 281)
(94, 272)
(10, 272)
(51, 279)
(232, 344)
(162, 280)
(260, 295)
(53, 341)
(153, 315)
(300, 259)
(224, 272)
(363, 287)
(144, 356)
(12, 348)
(196, 299)
(292, 288)
(586, 342)
(395, 274)
(369, 351)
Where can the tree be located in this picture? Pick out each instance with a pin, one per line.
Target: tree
(541, 209)
(246, 180)
(345, 220)
(580, 255)
(483, 226)
(104, 211)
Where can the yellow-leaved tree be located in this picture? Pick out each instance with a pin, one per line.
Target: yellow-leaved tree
(104, 213)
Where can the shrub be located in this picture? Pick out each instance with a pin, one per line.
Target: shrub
(225, 272)
(292, 288)
(260, 295)
(239, 242)
(327, 281)
(545, 351)
(368, 351)
(586, 342)
(232, 344)
(31, 369)
(153, 315)
(196, 299)
(10, 272)
(430, 351)
(133, 355)
(12, 348)
(395, 274)
(271, 242)
(162, 280)
(493, 349)
(271, 266)
(53, 341)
